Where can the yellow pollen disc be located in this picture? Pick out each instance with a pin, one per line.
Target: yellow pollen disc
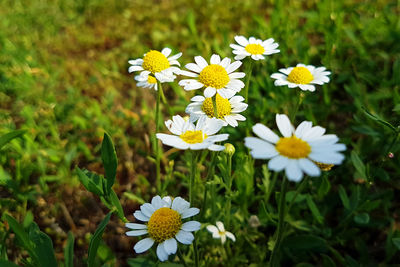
(223, 107)
(151, 80)
(323, 166)
(214, 76)
(164, 224)
(293, 147)
(155, 61)
(193, 137)
(255, 49)
(300, 75)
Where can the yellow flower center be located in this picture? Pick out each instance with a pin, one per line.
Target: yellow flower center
(193, 137)
(300, 75)
(255, 49)
(293, 147)
(164, 224)
(324, 166)
(214, 76)
(155, 61)
(223, 107)
(151, 80)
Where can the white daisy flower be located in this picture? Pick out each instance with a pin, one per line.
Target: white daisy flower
(219, 76)
(303, 76)
(298, 149)
(254, 48)
(157, 64)
(188, 136)
(228, 109)
(218, 232)
(146, 81)
(163, 222)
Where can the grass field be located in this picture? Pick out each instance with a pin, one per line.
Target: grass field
(64, 79)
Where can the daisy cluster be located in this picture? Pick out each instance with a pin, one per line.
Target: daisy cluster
(305, 149)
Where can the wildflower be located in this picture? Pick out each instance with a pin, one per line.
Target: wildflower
(227, 109)
(254, 48)
(218, 232)
(146, 81)
(219, 76)
(303, 76)
(188, 136)
(156, 65)
(164, 225)
(254, 221)
(297, 149)
(229, 149)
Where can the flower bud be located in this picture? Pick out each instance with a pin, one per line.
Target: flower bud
(229, 149)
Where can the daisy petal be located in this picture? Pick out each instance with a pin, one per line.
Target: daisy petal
(143, 245)
(170, 246)
(136, 233)
(184, 237)
(191, 226)
(265, 133)
(161, 253)
(284, 125)
(190, 212)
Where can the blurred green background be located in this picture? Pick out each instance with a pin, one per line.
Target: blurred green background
(63, 78)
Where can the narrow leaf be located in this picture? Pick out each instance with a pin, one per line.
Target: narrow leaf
(4, 139)
(343, 196)
(115, 201)
(358, 164)
(43, 247)
(92, 184)
(109, 158)
(6, 263)
(95, 240)
(314, 210)
(69, 251)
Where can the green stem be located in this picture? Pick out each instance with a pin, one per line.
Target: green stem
(229, 192)
(300, 97)
(214, 101)
(196, 253)
(271, 187)
(298, 191)
(274, 259)
(246, 88)
(156, 144)
(164, 101)
(209, 174)
(192, 176)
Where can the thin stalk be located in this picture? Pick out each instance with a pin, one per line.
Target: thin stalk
(229, 192)
(192, 176)
(298, 191)
(164, 101)
(274, 259)
(246, 88)
(181, 259)
(209, 174)
(156, 144)
(271, 187)
(196, 253)
(214, 101)
(300, 97)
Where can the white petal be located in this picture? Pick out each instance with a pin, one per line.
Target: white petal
(237, 75)
(134, 68)
(216, 148)
(265, 133)
(327, 158)
(189, 213)
(135, 226)
(140, 216)
(225, 62)
(220, 226)
(293, 171)
(187, 73)
(215, 59)
(180, 205)
(191, 226)
(143, 245)
(284, 125)
(176, 56)
(313, 133)
(201, 62)
(278, 163)
(213, 126)
(234, 66)
(157, 202)
(136, 233)
(212, 229)
(168, 201)
(193, 67)
(209, 92)
(147, 209)
(161, 253)
(166, 51)
(304, 127)
(184, 237)
(260, 149)
(231, 236)
(172, 140)
(241, 40)
(226, 93)
(170, 246)
(223, 238)
(309, 167)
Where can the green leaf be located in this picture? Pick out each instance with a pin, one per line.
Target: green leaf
(43, 247)
(343, 196)
(95, 240)
(6, 263)
(117, 204)
(396, 242)
(305, 243)
(327, 261)
(324, 187)
(362, 218)
(21, 235)
(69, 251)
(140, 262)
(4, 139)
(134, 197)
(358, 164)
(91, 181)
(378, 119)
(110, 162)
(314, 210)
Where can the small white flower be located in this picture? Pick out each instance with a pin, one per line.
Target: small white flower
(146, 81)
(227, 109)
(164, 225)
(254, 48)
(188, 136)
(219, 76)
(303, 76)
(218, 232)
(157, 65)
(298, 150)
